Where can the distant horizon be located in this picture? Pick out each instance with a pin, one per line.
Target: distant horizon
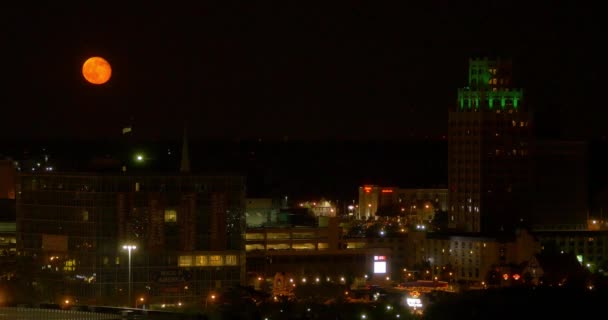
(302, 167)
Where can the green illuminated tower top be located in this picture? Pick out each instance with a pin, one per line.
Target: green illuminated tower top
(489, 87)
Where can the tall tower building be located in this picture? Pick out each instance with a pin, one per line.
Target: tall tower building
(488, 151)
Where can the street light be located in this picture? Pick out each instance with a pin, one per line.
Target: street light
(129, 248)
(212, 296)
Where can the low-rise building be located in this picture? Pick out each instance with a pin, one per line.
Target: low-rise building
(467, 257)
(311, 253)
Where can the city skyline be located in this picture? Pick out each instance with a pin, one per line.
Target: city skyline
(302, 160)
(340, 71)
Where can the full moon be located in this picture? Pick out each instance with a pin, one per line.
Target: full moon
(96, 70)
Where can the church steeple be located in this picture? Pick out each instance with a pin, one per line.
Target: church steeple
(185, 163)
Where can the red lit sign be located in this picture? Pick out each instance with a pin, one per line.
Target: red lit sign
(367, 189)
(387, 190)
(379, 258)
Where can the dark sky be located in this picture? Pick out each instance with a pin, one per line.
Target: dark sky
(302, 69)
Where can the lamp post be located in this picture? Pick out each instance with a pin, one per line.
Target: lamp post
(129, 248)
(212, 296)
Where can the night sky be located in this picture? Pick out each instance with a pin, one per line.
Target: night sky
(304, 70)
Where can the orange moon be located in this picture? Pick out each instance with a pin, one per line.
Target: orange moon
(96, 70)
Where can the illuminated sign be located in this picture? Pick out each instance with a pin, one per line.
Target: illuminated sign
(387, 190)
(379, 266)
(414, 302)
(367, 189)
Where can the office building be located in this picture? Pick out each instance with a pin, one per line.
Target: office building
(187, 229)
(489, 176)
(468, 258)
(314, 253)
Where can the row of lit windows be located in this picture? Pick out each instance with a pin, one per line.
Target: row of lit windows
(287, 246)
(207, 260)
(515, 152)
(280, 235)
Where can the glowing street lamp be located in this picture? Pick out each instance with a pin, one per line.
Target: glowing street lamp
(129, 248)
(212, 296)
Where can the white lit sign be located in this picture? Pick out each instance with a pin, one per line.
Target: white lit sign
(379, 266)
(414, 302)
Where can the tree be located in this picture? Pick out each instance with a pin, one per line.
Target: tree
(440, 221)
(388, 211)
(319, 292)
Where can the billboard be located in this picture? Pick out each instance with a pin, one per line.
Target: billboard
(379, 264)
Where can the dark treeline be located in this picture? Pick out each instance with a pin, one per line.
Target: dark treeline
(298, 169)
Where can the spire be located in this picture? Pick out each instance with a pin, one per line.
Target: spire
(185, 163)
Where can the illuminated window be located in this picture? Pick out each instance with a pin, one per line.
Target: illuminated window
(323, 245)
(251, 247)
(170, 215)
(277, 235)
(231, 260)
(303, 246)
(85, 215)
(216, 260)
(254, 236)
(355, 245)
(185, 261)
(277, 246)
(201, 261)
(70, 265)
